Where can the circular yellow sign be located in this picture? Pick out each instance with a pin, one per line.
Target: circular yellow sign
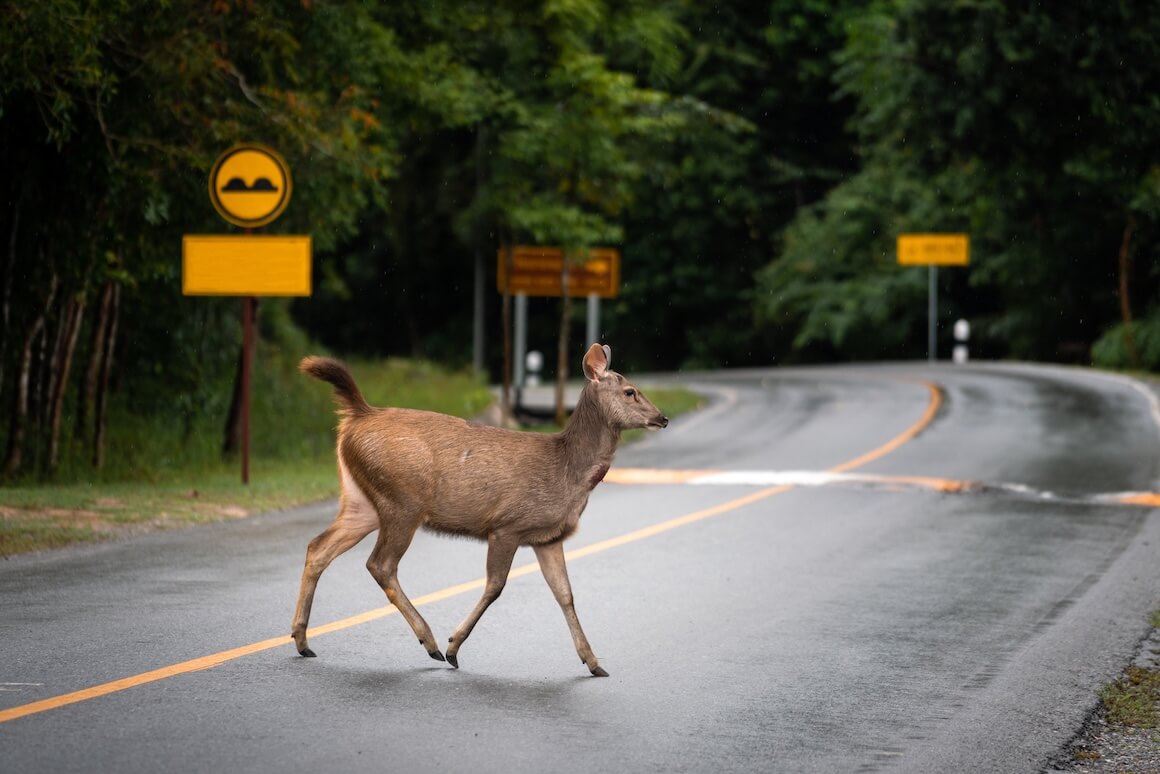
(250, 185)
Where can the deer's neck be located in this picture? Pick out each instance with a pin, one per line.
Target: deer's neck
(588, 443)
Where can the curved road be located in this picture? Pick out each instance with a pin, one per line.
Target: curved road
(878, 568)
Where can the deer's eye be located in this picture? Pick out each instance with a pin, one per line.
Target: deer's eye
(629, 392)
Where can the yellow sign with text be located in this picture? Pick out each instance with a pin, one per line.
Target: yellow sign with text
(934, 249)
(538, 271)
(245, 265)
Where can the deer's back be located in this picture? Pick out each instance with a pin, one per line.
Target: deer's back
(465, 478)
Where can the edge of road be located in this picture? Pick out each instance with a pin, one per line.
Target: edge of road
(1050, 667)
(999, 733)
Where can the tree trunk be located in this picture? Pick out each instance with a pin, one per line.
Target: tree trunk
(562, 343)
(15, 454)
(106, 369)
(1125, 296)
(232, 432)
(71, 325)
(88, 399)
(6, 280)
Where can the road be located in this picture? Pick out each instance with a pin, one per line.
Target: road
(873, 568)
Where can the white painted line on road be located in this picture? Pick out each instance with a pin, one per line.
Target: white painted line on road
(818, 478)
(17, 687)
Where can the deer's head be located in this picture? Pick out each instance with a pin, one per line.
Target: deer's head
(624, 405)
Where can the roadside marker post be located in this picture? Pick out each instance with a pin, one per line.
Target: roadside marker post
(932, 251)
(962, 336)
(249, 186)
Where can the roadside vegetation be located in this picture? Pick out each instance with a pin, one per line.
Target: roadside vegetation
(1134, 699)
(167, 470)
(1123, 734)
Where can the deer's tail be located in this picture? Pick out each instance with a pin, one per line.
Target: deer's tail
(346, 392)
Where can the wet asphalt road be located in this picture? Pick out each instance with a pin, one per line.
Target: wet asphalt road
(835, 628)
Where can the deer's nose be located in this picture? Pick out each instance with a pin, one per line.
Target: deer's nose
(664, 421)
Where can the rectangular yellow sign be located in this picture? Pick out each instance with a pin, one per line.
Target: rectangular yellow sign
(245, 265)
(934, 249)
(538, 271)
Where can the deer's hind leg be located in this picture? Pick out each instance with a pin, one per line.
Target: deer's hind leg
(398, 528)
(356, 519)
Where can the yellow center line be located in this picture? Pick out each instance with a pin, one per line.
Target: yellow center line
(217, 659)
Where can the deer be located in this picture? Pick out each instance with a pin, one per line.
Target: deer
(404, 469)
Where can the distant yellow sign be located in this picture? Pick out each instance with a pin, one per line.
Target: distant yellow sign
(245, 265)
(538, 271)
(934, 249)
(250, 185)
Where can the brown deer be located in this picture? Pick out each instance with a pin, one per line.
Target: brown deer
(402, 469)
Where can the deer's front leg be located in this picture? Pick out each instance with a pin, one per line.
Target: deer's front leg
(501, 550)
(551, 558)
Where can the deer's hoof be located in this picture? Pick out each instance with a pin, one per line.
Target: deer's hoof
(436, 655)
(453, 660)
(598, 671)
(307, 653)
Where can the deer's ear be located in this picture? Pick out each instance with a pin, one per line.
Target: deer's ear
(596, 362)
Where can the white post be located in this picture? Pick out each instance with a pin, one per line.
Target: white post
(962, 334)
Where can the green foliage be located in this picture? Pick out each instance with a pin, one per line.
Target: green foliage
(1133, 345)
(292, 417)
(1023, 127)
(1133, 699)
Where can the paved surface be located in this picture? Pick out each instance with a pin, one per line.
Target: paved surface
(842, 627)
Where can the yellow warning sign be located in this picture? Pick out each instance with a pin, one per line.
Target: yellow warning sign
(934, 249)
(250, 185)
(245, 265)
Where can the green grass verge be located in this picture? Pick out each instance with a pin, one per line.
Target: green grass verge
(162, 477)
(1134, 699)
(163, 472)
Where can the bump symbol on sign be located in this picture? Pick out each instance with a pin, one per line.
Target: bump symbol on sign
(250, 185)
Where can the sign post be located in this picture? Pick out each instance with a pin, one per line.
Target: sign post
(539, 271)
(249, 186)
(933, 250)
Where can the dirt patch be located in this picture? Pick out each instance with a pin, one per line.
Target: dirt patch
(106, 518)
(63, 515)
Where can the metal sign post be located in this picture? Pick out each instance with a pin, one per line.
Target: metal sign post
(932, 313)
(933, 250)
(249, 186)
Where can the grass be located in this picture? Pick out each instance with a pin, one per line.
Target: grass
(164, 471)
(38, 517)
(164, 475)
(1134, 699)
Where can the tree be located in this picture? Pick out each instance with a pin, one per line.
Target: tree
(113, 114)
(1013, 123)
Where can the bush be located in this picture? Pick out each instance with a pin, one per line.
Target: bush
(1112, 349)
